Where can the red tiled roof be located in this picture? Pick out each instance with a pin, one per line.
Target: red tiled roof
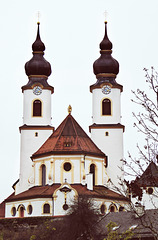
(48, 190)
(69, 138)
(2, 210)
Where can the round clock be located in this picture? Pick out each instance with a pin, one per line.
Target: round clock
(106, 89)
(37, 90)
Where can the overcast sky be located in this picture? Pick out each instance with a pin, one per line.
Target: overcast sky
(71, 31)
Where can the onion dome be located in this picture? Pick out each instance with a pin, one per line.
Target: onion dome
(38, 65)
(106, 64)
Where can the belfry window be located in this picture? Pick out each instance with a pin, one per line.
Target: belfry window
(37, 108)
(106, 107)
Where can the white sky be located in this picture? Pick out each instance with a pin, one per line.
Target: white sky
(71, 31)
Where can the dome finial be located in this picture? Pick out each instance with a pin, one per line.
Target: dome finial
(106, 64)
(38, 65)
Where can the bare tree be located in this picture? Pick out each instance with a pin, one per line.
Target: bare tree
(143, 168)
(81, 220)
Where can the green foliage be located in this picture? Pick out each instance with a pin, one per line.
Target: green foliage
(1, 235)
(113, 234)
(33, 237)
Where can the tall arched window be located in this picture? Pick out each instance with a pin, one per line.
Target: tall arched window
(37, 108)
(106, 107)
(92, 170)
(43, 175)
(46, 208)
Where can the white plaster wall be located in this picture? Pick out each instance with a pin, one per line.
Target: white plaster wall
(60, 201)
(97, 97)
(112, 146)
(56, 205)
(37, 205)
(29, 145)
(37, 168)
(99, 168)
(55, 172)
(28, 98)
(108, 203)
(72, 176)
(150, 201)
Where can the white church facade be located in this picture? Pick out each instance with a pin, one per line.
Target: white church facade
(59, 165)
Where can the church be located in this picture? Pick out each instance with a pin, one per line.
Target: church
(59, 165)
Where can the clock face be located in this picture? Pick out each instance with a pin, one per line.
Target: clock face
(106, 89)
(37, 90)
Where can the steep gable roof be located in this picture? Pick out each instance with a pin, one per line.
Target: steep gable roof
(150, 176)
(69, 138)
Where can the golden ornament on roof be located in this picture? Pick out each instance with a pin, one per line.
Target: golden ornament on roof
(69, 109)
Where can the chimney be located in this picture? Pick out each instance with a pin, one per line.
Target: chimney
(139, 210)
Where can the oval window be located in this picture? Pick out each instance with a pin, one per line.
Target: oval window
(150, 190)
(13, 211)
(67, 166)
(29, 209)
(102, 209)
(65, 206)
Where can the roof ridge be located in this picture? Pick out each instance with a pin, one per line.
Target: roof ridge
(75, 130)
(65, 120)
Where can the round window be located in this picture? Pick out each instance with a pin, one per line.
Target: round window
(67, 166)
(65, 206)
(150, 190)
(29, 209)
(121, 209)
(13, 211)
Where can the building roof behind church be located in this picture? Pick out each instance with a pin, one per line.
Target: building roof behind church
(143, 228)
(69, 138)
(150, 176)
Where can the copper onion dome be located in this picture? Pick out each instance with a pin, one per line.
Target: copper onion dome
(38, 65)
(106, 64)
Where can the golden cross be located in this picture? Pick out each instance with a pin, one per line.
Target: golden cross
(38, 16)
(105, 15)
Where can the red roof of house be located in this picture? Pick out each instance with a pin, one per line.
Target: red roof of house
(69, 138)
(48, 190)
(2, 210)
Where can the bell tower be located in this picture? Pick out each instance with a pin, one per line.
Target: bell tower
(36, 126)
(106, 129)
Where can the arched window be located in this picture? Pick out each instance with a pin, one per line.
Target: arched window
(112, 208)
(46, 208)
(106, 107)
(43, 175)
(121, 209)
(92, 170)
(21, 211)
(37, 108)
